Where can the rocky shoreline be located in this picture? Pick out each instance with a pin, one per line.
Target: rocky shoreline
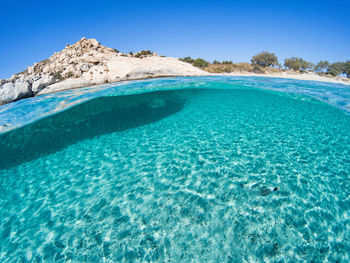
(88, 63)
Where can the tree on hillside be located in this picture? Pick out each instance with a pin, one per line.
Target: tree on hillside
(265, 59)
(200, 63)
(215, 62)
(292, 63)
(322, 66)
(336, 68)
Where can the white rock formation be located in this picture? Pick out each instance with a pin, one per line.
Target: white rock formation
(121, 68)
(41, 83)
(14, 91)
(87, 63)
(64, 85)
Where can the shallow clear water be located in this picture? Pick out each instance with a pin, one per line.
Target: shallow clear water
(176, 175)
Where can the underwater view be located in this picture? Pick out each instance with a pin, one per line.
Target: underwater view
(189, 169)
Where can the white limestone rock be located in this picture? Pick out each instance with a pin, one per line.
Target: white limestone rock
(64, 85)
(97, 74)
(121, 68)
(87, 62)
(42, 82)
(84, 67)
(10, 91)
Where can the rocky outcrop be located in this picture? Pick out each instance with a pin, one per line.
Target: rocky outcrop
(14, 91)
(64, 85)
(87, 63)
(41, 83)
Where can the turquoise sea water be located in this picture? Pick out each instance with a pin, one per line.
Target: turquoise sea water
(173, 170)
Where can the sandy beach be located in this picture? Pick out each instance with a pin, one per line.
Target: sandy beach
(285, 75)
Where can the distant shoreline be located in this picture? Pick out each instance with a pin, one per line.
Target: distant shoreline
(87, 63)
(286, 75)
(307, 77)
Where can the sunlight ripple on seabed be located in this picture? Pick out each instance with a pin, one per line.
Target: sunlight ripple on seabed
(178, 175)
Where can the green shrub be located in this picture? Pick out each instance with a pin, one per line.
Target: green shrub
(346, 69)
(57, 75)
(187, 59)
(265, 59)
(336, 68)
(143, 53)
(69, 75)
(227, 62)
(296, 64)
(131, 53)
(215, 62)
(292, 63)
(116, 50)
(322, 66)
(200, 63)
(306, 65)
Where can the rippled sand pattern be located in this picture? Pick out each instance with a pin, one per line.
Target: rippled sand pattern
(179, 183)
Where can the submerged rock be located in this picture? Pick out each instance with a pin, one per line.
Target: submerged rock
(261, 190)
(266, 190)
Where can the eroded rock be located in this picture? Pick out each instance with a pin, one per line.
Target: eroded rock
(87, 63)
(42, 82)
(14, 91)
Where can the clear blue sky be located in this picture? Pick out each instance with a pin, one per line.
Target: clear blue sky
(31, 31)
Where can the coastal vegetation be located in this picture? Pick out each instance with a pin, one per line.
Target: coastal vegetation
(188, 60)
(347, 68)
(267, 62)
(57, 75)
(200, 63)
(265, 59)
(336, 68)
(143, 53)
(322, 66)
(298, 64)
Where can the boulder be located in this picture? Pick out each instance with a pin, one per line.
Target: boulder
(42, 82)
(14, 91)
(65, 84)
(78, 73)
(85, 68)
(30, 70)
(93, 60)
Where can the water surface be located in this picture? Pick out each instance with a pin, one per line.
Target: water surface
(169, 171)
